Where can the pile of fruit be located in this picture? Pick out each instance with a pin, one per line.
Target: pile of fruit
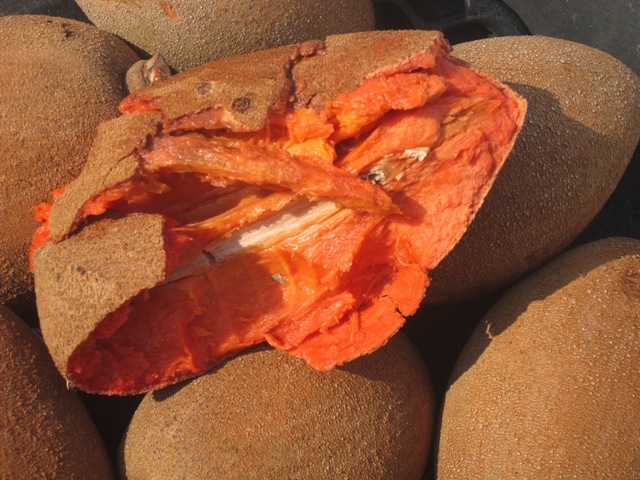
(241, 244)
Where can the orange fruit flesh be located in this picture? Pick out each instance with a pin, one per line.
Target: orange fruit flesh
(332, 287)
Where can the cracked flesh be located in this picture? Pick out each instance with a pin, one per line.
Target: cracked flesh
(280, 238)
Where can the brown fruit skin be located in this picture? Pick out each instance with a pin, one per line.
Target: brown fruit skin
(266, 415)
(548, 384)
(45, 431)
(582, 126)
(68, 308)
(188, 33)
(60, 79)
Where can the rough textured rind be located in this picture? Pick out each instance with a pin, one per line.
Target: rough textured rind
(265, 414)
(45, 431)
(548, 384)
(60, 79)
(340, 69)
(110, 162)
(189, 33)
(247, 86)
(582, 127)
(80, 286)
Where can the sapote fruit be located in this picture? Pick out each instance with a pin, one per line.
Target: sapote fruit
(266, 415)
(297, 196)
(188, 33)
(547, 385)
(45, 430)
(59, 79)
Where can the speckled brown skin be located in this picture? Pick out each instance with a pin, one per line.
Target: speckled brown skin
(45, 431)
(60, 79)
(192, 32)
(97, 278)
(110, 161)
(350, 58)
(582, 126)
(548, 384)
(266, 415)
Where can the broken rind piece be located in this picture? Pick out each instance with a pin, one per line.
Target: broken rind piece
(106, 266)
(247, 214)
(147, 72)
(111, 161)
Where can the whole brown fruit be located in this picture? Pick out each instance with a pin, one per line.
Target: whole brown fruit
(581, 129)
(266, 415)
(191, 32)
(45, 431)
(59, 79)
(548, 384)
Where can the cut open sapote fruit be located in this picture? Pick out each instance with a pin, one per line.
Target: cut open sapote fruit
(297, 196)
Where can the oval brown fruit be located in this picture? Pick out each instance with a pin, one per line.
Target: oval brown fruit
(582, 126)
(45, 430)
(266, 415)
(60, 78)
(548, 384)
(188, 33)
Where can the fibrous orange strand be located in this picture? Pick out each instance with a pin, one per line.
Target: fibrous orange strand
(138, 104)
(226, 160)
(353, 112)
(249, 209)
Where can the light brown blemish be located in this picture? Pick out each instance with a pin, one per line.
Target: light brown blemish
(169, 10)
(631, 284)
